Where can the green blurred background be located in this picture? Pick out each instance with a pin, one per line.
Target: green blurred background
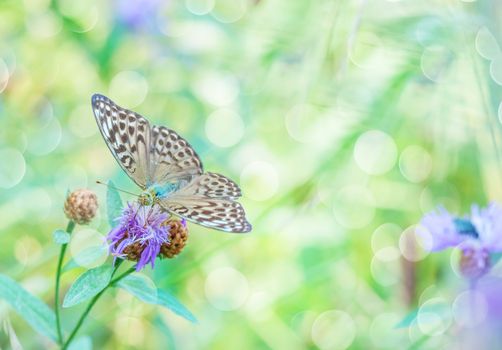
(342, 120)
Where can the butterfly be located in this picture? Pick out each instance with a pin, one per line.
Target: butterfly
(168, 170)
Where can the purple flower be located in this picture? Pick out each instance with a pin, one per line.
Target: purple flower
(140, 234)
(477, 235)
(478, 314)
(138, 13)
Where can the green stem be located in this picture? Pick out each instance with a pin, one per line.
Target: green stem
(69, 229)
(116, 279)
(94, 300)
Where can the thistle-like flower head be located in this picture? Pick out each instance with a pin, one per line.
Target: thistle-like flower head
(145, 232)
(477, 235)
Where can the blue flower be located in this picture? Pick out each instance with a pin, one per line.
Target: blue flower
(477, 235)
(140, 234)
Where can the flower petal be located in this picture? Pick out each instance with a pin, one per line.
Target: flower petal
(148, 255)
(488, 223)
(440, 226)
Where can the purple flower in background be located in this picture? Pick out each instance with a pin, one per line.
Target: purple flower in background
(140, 234)
(137, 13)
(478, 314)
(477, 235)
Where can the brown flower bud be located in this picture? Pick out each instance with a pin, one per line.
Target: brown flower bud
(81, 206)
(133, 251)
(474, 263)
(178, 235)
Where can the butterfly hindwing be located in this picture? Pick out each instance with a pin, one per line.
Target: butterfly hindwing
(208, 200)
(217, 213)
(127, 135)
(213, 185)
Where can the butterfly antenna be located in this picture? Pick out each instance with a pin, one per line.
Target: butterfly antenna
(115, 188)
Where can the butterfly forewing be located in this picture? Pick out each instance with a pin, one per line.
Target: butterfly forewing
(127, 135)
(171, 157)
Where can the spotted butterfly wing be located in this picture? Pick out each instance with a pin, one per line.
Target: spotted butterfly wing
(214, 185)
(209, 200)
(127, 135)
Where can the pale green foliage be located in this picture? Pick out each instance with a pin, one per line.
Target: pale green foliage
(140, 288)
(113, 204)
(88, 285)
(30, 308)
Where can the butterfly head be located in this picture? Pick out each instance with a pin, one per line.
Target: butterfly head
(148, 197)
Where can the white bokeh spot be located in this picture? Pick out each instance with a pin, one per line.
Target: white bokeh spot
(88, 248)
(333, 329)
(224, 127)
(226, 288)
(415, 163)
(259, 180)
(128, 88)
(12, 167)
(375, 152)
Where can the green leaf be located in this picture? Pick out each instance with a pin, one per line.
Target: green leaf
(408, 320)
(166, 332)
(168, 300)
(138, 286)
(61, 237)
(494, 258)
(85, 257)
(141, 287)
(33, 310)
(81, 343)
(88, 285)
(113, 203)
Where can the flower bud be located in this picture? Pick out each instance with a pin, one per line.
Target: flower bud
(133, 251)
(178, 236)
(81, 206)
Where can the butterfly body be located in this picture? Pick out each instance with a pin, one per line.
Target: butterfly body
(155, 193)
(148, 197)
(168, 170)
